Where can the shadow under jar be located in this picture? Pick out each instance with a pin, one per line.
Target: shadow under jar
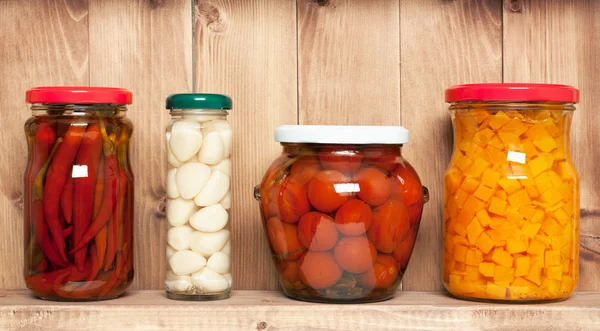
(341, 209)
(511, 194)
(78, 194)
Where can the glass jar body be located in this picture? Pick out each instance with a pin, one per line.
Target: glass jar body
(511, 203)
(341, 220)
(78, 202)
(198, 205)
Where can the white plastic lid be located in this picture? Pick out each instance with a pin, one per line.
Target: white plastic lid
(341, 134)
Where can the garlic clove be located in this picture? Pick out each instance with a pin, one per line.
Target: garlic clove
(186, 139)
(210, 219)
(224, 165)
(209, 281)
(207, 243)
(226, 201)
(178, 237)
(212, 149)
(172, 191)
(215, 189)
(191, 179)
(186, 262)
(219, 262)
(180, 210)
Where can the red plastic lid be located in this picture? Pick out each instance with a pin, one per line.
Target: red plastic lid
(79, 95)
(512, 92)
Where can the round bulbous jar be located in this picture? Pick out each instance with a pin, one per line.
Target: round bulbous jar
(341, 209)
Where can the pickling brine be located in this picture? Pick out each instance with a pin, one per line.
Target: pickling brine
(511, 203)
(198, 197)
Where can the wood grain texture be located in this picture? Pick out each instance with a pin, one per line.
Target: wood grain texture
(256, 310)
(31, 54)
(348, 57)
(555, 41)
(247, 49)
(144, 46)
(459, 42)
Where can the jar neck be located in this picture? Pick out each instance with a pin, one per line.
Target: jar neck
(308, 149)
(514, 106)
(55, 109)
(192, 113)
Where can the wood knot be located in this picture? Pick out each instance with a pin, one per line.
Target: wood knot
(261, 325)
(157, 3)
(214, 19)
(319, 2)
(515, 6)
(160, 212)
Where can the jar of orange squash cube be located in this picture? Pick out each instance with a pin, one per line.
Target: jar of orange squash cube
(511, 194)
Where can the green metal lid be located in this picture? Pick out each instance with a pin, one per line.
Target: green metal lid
(198, 101)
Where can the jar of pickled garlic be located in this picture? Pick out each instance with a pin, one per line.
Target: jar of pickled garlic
(198, 197)
(511, 194)
(78, 194)
(341, 208)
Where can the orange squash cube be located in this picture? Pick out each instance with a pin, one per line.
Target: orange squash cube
(529, 148)
(474, 230)
(460, 253)
(477, 167)
(530, 230)
(494, 291)
(502, 257)
(472, 273)
(535, 274)
(538, 216)
(566, 286)
(565, 170)
(546, 143)
(461, 197)
(474, 257)
(522, 266)
(514, 246)
(497, 206)
(496, 143)
(539, 165)
(536, 248)
(510, 140)
(552, 258)
(501, 194)
(503, 274)
(469, 184)
(519, 199)
(514, 126)
(453, 179)
(484, 193)
(551, 196)
(482, 136)
(484, 243)
(490, 178)
(510, 185)
(463, 163)
(555, 272)
(498, 120)
(487, 269)
(551, 227)
(460, 230)
(483, 217)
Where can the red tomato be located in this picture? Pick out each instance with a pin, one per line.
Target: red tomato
(319, 270)
(385, 158)
(383, 275)
(404, 248)
(353, 218)
(375, 187)
(317, 232)
(284, 239)
(341, 158)
(325, 192)
(390, 225)
(406, 185)
(269, 189)
(305, 168)
(292, 200)
(355, 254)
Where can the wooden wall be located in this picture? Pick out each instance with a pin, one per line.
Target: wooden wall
(285, 62)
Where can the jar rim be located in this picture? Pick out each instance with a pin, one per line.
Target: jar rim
(342, 134)
(512, 92)
(83, 95)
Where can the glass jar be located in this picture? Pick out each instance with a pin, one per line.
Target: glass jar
(511, 197)
(198, 197)
(341, 209)
(78, 194)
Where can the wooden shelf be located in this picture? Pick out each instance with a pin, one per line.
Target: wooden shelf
(261, 310)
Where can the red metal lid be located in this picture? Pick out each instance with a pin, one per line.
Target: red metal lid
(512, 92)
(79, 95)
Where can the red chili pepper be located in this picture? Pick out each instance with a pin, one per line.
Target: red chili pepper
(84, 188)
(43, 284)
(115, 234)
(96, 263)
(66, 200)
(40, 229)
(111, 171)
(56, 181)
(45, 137)
(67, 231)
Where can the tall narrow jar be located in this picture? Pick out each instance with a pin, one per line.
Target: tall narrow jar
(511, 199)
(198, 197)
(78, 194)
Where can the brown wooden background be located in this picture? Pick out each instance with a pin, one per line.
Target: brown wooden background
(285, 62)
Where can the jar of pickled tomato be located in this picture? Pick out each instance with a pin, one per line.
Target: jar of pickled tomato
(78, 193)
(511, 194)
(341, 209)
(198, 197)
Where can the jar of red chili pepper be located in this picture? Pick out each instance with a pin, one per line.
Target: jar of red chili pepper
(341, 209)
(78, 194)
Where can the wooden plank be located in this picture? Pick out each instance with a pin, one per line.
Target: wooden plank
(348, 55)
(256, 310)
(442, 44)
(34, 52)
(555, 41)
(247, 49)
(144, 46)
